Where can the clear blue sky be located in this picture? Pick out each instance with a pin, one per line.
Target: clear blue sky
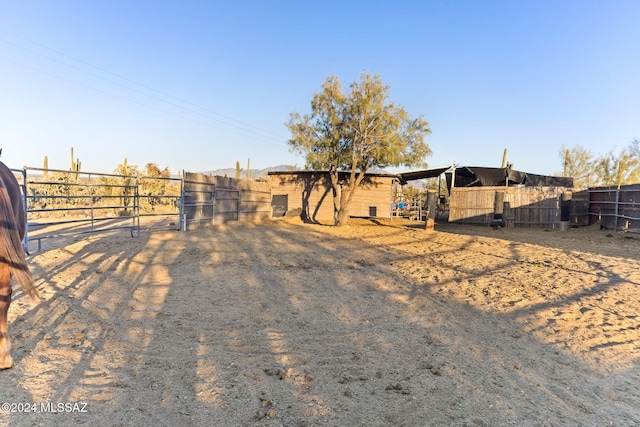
(197, 85)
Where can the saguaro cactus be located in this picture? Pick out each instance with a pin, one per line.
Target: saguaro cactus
(75, 164)
(46, 167)
(238, 170)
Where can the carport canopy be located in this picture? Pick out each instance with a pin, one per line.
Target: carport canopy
(423, 174)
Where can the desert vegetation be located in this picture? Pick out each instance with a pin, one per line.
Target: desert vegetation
(59, 193)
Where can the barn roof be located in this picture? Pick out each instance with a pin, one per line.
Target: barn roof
(466, 176)
(428, 173)
(473, 176)
(341, 173)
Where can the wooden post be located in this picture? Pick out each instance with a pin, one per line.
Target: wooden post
(510, 221)
(565, 211)
(498, 210)
(453, 175)
(432, 200)
(498, 205)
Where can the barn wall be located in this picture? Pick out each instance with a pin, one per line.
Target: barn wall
(373, 192)
(530, 206)
(311, 194)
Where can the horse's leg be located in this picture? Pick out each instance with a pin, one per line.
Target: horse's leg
(5, 301)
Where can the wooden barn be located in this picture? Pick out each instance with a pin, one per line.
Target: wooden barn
(517, 199)
(309, 194)
(477, 195)
(480, 195)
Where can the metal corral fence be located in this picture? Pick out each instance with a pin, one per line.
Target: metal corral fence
(616, 208)
(61, 203)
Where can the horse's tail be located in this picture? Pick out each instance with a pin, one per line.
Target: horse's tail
(11, 246)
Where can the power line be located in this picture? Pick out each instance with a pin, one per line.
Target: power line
(237, 124)
(132, 100)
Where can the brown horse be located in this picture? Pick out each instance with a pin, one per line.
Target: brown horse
(12, 257)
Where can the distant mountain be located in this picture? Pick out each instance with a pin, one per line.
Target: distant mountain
(255, 173)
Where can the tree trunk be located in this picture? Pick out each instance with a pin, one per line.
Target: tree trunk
(337, 196)
(342, 218)
(342, 214)
(341, 207)
(342, 196)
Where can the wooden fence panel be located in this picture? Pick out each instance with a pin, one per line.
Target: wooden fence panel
(472, 205)
(537, 206)
(198, 200)
(222, 199)
(529, 206)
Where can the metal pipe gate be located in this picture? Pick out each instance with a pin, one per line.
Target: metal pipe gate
(63, 203)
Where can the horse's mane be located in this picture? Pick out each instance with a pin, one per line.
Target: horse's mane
(11, 250)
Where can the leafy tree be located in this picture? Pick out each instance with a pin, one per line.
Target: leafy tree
(126, 185)
(606, 169)
(613, 168)
(355, 131)
(57, 184)
(620, 168)
(633, 165)
(153, 186)
(578, 163)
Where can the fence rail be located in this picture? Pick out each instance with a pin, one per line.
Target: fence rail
(616, 208)
(63, 203)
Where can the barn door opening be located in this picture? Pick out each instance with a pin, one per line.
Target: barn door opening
(279, 205)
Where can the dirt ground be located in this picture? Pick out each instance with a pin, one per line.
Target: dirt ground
(282, 323)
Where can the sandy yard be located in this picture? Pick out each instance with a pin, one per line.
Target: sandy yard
(289, 324)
